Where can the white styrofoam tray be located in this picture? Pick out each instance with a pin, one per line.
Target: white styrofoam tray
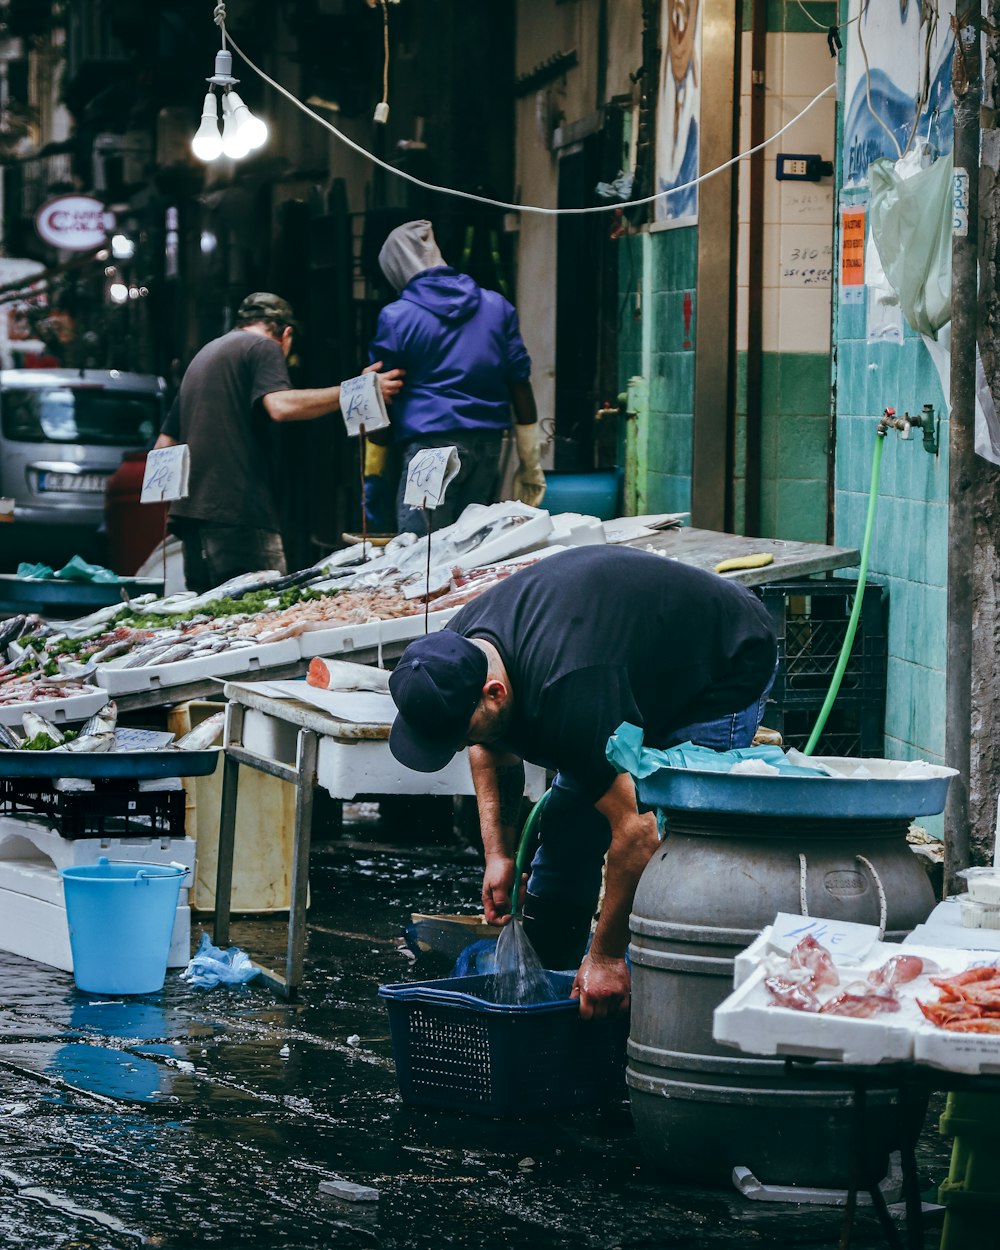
(27, 838)
(973, 1053)
(198, 668)
(347, 769)
(338, 639)
(58, 711)
(750, 1022)
(33, 917)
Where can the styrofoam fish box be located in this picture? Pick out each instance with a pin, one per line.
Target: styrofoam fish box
(347, 769)
(338, 639)
(748, 1020)
(973, 1053)
(33, 917)
(31, 839)
(847, 941)
(217, 664)
(58, 711)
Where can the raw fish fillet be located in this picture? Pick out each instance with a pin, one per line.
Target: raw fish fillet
(809, 954)
(790, 994)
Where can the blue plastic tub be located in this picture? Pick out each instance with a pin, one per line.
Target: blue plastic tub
(121, 917)
(456, 1050)
(594, 494)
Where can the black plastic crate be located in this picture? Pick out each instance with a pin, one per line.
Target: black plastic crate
(456, 1050)
(850, 731)
(99, 813)
(810, 619)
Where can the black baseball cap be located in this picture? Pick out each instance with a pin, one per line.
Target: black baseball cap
(265, 306)
(436, 686)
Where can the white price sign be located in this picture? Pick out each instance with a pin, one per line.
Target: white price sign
(842, 938)
(166, 475)
(428, 476)
(361, 404)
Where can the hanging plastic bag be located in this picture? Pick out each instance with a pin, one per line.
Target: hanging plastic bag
(911, 220)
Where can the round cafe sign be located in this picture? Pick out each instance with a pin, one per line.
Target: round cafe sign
(74, 223)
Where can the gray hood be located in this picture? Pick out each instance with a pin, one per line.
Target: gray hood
(409, 250)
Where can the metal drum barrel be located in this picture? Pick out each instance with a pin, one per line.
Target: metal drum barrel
(720, 877)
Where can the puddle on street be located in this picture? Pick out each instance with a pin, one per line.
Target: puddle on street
(188, 1119)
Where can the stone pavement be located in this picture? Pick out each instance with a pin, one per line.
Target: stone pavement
(188, 1119)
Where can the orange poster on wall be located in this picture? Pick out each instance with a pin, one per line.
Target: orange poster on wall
(852, 247)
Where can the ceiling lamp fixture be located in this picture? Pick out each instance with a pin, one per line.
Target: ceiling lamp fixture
(242, 132)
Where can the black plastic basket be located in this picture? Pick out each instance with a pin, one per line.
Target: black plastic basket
(810, 619)
(456, 1050)
(98, 813)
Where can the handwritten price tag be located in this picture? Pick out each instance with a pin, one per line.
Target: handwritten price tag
(167, 473)
(428, 476)
(361, 404)
(843, 938)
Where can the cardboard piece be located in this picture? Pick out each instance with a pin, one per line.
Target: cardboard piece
(361, 404)
(428, 476)
(166, 476)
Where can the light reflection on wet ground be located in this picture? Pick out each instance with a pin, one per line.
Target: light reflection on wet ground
(175, 1120)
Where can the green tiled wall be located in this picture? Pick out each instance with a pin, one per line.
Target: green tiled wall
(789, 15)
(656, 349)
(795, 438)
(911, 529)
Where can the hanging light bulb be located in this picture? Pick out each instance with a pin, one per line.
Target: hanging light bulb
(234, 143)
(252, 130)
(207, 142)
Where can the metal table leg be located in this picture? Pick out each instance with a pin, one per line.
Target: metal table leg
(306, 754)
(227, 826)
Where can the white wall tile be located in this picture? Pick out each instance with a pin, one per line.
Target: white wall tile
(804, 320)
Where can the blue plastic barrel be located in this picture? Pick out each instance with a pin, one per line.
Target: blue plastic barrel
(594, 494)
(121, 918)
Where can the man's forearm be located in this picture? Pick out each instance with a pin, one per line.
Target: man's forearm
(633, 840)
(302, 405)
(499, 784)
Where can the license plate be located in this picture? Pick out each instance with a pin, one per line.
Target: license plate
(79, 483)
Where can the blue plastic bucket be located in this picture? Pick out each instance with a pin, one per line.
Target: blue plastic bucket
(121, 917)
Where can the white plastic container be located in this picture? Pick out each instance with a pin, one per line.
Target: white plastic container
(979, 915)
(983, 883)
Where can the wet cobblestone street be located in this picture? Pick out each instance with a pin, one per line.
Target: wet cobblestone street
(190, 1119)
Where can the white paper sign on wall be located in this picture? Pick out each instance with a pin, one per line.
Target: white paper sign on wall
(167, 473)
(361, 404)
(428, 475)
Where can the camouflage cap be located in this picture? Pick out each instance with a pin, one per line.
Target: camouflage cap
(265, 306)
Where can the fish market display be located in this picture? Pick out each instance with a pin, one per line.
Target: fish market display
(810, 968)
(968, 1002)
(46, 661)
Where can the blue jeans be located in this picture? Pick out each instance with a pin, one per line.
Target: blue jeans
(574, 836)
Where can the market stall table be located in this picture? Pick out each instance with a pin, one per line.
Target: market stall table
(299, 743)
(704, 549)
(701, 548)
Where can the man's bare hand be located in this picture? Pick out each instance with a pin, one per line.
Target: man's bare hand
(603, 987)
(498, 881)
(390, 383)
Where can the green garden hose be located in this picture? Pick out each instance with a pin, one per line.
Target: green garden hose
(527, 838)
(852, 625)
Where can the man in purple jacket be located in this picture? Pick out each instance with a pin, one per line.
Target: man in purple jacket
(466, 366)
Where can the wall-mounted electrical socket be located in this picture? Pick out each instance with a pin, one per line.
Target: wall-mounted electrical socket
(795, 167)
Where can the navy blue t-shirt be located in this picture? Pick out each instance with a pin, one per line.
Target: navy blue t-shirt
(600, 635)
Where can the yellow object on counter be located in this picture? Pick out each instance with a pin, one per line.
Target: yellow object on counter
(759, 561)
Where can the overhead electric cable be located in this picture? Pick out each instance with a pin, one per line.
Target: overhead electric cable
(505, 204)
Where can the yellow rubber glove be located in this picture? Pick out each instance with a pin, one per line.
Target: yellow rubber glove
(529, 480)
(375, 458)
